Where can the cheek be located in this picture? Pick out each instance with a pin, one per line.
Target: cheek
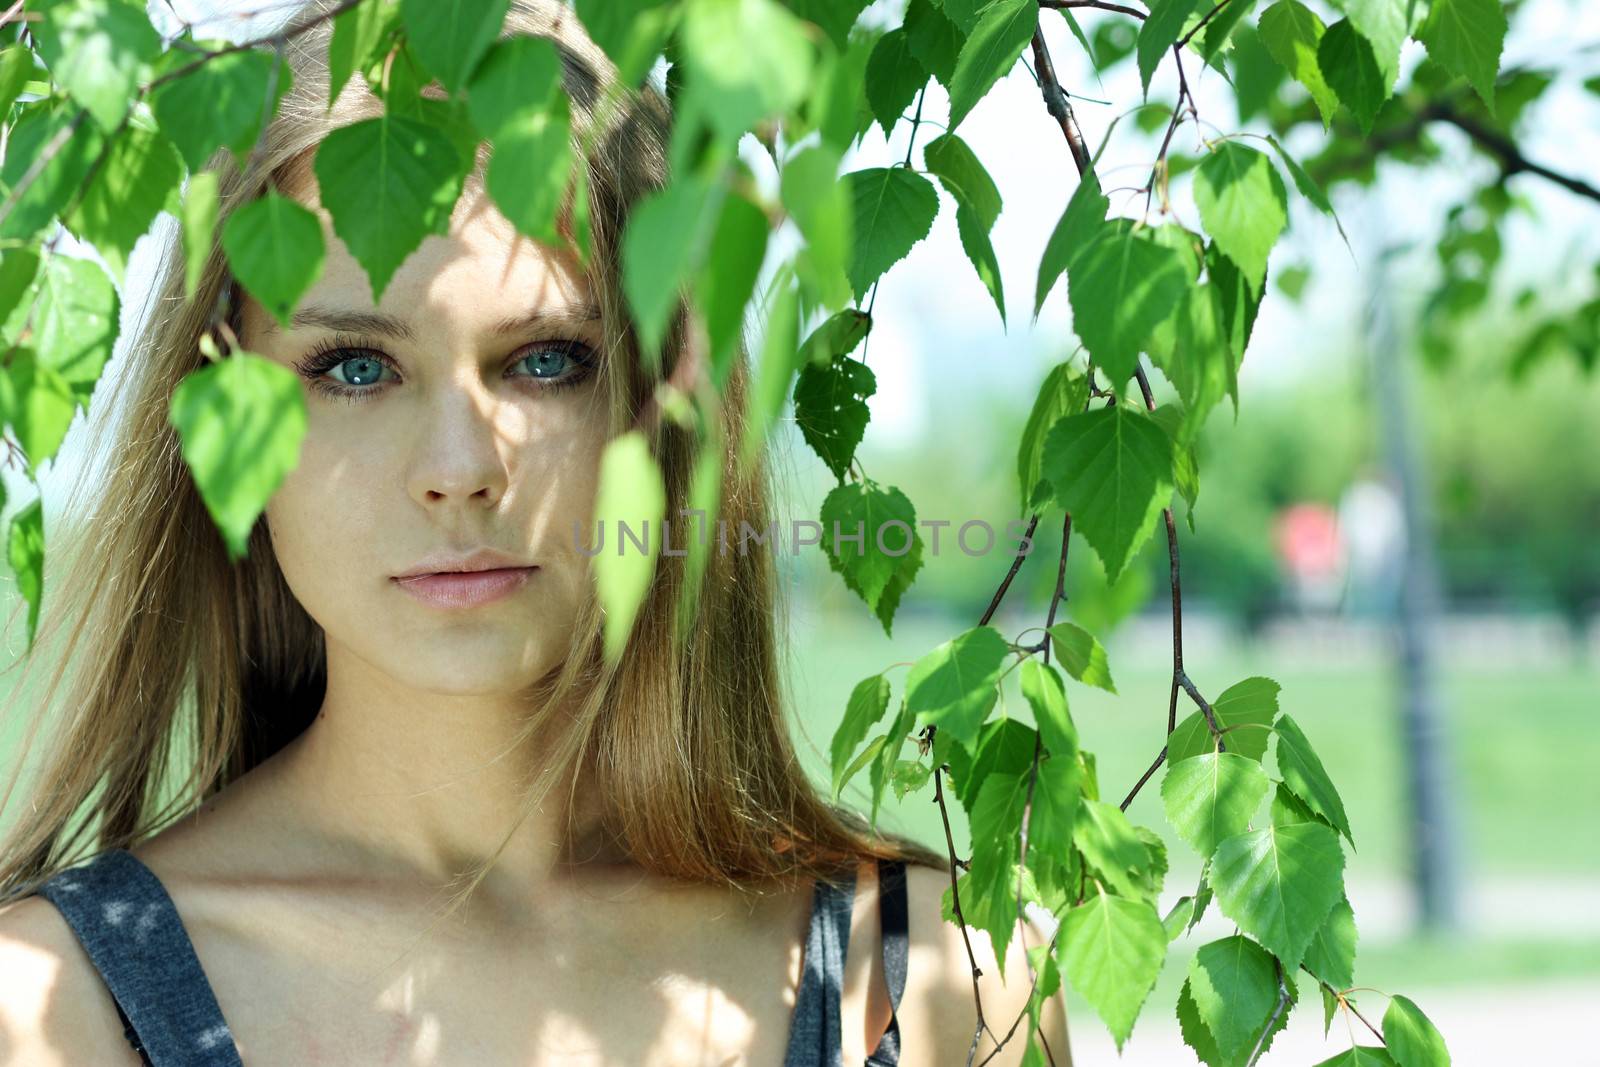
(322, 536)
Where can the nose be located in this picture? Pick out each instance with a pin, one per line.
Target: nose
(457, 457)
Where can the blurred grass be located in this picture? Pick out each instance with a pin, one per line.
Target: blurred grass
(1524, 741)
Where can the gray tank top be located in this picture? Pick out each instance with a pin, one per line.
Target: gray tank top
(131, 931)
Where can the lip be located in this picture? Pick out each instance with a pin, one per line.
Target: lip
(466, 589)
(450, 562)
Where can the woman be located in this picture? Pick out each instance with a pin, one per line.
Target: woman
(282, 769)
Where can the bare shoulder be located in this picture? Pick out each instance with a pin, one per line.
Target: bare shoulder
(938, 1015)
(54, 1009)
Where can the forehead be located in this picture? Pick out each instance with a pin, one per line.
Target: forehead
(480, 268)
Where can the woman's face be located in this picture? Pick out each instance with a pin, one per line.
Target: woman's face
(462, 413)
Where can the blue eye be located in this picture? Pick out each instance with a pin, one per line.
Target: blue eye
(550, 362)
(360, 367)
(360, 370)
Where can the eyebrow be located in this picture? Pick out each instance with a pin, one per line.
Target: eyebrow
(559, 317)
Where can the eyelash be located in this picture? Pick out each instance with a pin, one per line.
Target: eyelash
(342, 348)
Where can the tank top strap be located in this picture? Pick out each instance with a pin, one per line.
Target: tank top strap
(131, 931)
(815, 1034)
(893, 914)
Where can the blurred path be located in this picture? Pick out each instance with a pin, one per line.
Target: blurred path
(1548, 1025)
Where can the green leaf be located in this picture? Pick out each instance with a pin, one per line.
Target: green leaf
(909, 776)
(893, 77)
(1120, 288)
(1159, 33)
(18, 269)
(25, 552)
(822, 208)
(1307, 185)
(933, 39)
(1279, 884)
(530, 170)
(837, 336)
(1193, 1029)
(1046, 695)
(1331, 955)
(1347, 61)
(1234, 985)
(1178, 918)
(752, 59)
(515, 99)
(728, 278)
(1003, 30)
(1005, 746)
(954, 686)
(775, 371)
(1211, 798)
(980, 253)
(1412, 1039)
(1053, 821)
(1384, 24)
(830, 408)
(75, 318)
(99, 51)
(1185, 467)
(221, 103)
(518, 78)
(865, 709)
(126, 193)
(882, 764)
(1063, 392)
(200, 206)
(1111, 844)
(977, 206)
(1244, 206)
(631, 33)
(855, 514)
(1291, 33)
(1043, 960)
(1303, 773)
(16, 66)
(893, 209)
(1112, 470)
(58, 181)
(1243, 712)
(630, 493)
(356, 33)
(1466, 38)
(666, 237)
(837, 108)
(1219, 31)
(450, 39)
(1237, 305)
(869, 755)
(40, 406)
(240, 421)
(276, 250)
(1360, 1056)
(388, 183)
(1080, 224)
(1081, 654)
(835, 17)
(1113, 949)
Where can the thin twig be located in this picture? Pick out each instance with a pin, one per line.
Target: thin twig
(1097, 5)
(1283, 1002)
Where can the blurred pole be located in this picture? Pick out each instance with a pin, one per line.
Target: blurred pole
(1425, 751)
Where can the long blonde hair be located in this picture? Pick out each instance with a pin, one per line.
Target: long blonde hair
(181, 671)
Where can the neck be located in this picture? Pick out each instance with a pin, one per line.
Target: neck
(426, 785)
